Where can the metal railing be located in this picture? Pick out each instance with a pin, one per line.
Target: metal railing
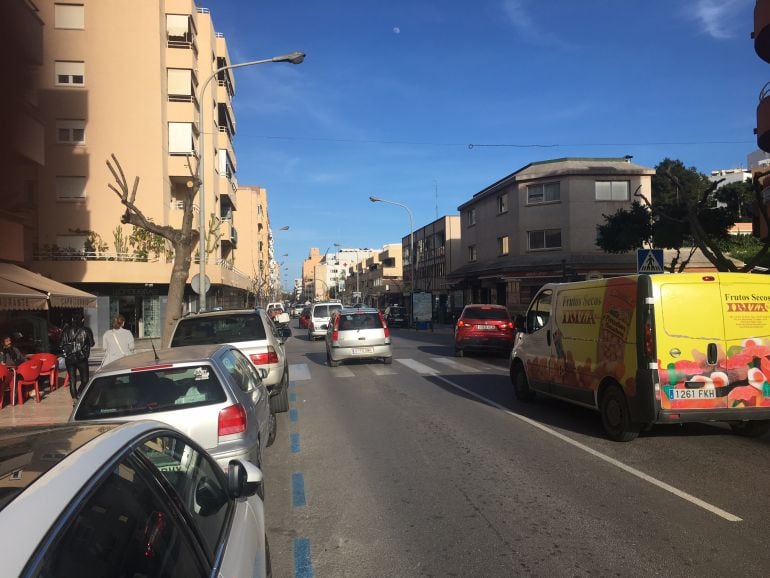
(765, 92)
(75, 255)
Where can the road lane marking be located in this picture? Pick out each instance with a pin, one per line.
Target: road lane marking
(341, 371)
(298, 490)
(299, 371)
(382, 370)
(293, 396)
(295, 443)
(293, 415)
(303, 566)
(420, 368)
(612, 461)
(455, 364)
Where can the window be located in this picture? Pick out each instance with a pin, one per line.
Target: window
(502, 245)
(178, 28)
(71, 242)
(71, 131)
(69, 16)
(471, 253)
(180, 138)
(471, 217)
(180, 83)
(502, 204)
(69, 188)
(543, 193)
(539, 312)
(612, 190)
(70, 73)
(125, 527)
(194, 478)
(546, 239)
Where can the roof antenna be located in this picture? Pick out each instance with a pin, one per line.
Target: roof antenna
(154, 351)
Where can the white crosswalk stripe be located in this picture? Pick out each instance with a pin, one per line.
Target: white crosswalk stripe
(299, 372)
(455, 365)
(342, 371)
(381, 369)
(420, 368)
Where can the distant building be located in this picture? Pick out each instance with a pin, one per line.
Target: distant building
(728, 176)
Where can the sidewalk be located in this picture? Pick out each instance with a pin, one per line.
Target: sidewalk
(54, 407)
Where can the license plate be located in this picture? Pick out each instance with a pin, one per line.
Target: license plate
(694, 394)
(485, 327)
(360, 350)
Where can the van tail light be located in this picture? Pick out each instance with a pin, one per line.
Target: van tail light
(269, 356)
(232, 420)
(649, 341)
(384, 325)
(336, 329)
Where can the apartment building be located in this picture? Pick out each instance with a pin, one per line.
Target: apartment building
(310, 275)
(125, 78)
(256, 240)
(382, 281)
(437, 252)
(538, 224)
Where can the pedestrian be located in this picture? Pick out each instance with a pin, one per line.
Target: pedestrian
(77, 341)
(9, 354)
(117, 342)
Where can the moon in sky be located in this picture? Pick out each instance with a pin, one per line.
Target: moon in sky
(396, 30)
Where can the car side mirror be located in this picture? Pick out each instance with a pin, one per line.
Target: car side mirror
(244, 479)
(520, 324)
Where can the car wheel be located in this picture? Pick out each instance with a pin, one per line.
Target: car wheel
(521, 388)
(272, 429)
(330, 361)
(279, 403)
(750, 429)
(388, 360)
(616, 417)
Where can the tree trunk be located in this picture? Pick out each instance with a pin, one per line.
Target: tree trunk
(176, 285)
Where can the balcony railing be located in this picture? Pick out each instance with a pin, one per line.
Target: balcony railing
(75, 255)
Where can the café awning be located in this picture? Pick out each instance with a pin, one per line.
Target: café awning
(57, 294)
(17, 297)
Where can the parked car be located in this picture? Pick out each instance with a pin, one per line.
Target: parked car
(210, 392)
(251, 331)
(320, 313)
(396, 316)
(304, 318)
(358, 333)
(132, 499)
(484, 328)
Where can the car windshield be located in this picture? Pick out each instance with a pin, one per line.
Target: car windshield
(398, 311)
(218, 329)
(486, 313)
(325, 310)
(154, 390)
(354, 321)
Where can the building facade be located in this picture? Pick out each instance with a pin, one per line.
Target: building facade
(538, 224)
(381, 280)
(104, 93)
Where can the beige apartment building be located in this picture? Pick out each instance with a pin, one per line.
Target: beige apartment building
(312, 270)
(125, 78)
(381, 278)
(538, 224)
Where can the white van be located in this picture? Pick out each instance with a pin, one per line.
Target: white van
(320, 314)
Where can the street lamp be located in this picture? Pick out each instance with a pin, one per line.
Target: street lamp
(294, 58)
(412, 255)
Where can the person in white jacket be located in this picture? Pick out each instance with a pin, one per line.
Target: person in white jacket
(117, 342)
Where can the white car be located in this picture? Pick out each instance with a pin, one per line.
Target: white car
(320, 314)
(133, 499)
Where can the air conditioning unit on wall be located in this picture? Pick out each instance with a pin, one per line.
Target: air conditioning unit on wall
(177, 205)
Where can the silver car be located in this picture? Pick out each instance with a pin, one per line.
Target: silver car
(358, 333)
(320, 314)
(209, 392)
(251, 331)
(130, 499)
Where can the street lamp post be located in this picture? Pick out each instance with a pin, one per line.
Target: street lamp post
(412, 256)
(294, 58)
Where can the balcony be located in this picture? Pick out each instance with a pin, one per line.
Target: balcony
(763, 119)
(182, 108)
(179, 166)
(229, 233)
(761, 34)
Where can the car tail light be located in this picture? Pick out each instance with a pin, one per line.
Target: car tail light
(461, 324)
(232, 420)
(336, 330)
(270, 356)
(506, 325)
(384, 325)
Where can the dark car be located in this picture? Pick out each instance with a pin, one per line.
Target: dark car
(396, 316)
(484, 328)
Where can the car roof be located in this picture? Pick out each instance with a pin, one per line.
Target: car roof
(32, 512)
(485, 306)
(354, 310)
(221, 312)
(184, 354)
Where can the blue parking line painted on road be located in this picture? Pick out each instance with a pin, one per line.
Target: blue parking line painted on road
(292, 385)
(295, 443)
(293, 415)
(303, 566)
(292, 396)
(298, 490)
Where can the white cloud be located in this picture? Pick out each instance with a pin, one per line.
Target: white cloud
(717, 17)
(518, 14)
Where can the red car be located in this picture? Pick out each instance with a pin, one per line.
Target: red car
(484, 328)
(304, 318)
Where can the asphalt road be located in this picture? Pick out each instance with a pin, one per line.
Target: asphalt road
(429, 467)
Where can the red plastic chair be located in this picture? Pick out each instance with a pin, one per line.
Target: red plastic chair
(49, 367)
(5, 383)
(26, 376)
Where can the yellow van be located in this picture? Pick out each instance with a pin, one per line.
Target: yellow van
(649, 349)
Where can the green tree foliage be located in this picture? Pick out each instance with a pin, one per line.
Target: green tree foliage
(687, 212)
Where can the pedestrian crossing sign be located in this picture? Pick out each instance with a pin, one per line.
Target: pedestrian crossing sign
(649, 261)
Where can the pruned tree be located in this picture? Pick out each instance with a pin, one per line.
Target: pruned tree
(687, 213)
(182, 240)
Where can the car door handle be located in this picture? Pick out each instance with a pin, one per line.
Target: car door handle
(712, 354)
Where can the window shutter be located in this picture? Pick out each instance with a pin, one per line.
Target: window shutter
(180, 137)
(177, 24)
(180, 81)
(70, 16)
(70, 187)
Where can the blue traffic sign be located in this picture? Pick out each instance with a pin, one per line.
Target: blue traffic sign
(649, 261)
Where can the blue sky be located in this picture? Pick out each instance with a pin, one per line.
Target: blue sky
(393, 92)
